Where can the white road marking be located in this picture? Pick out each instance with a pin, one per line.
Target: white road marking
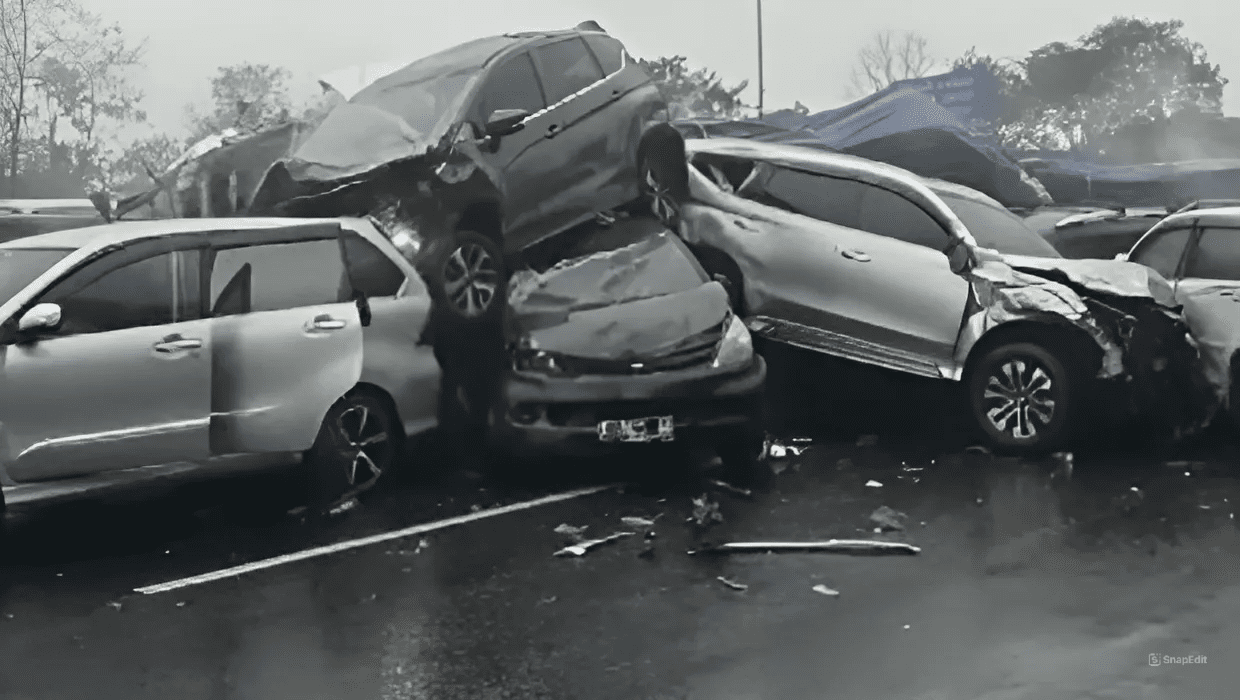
(366, 541)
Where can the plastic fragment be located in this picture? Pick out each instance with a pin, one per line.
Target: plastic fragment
(579, 550)
(115, 605)
(732, 584)
(824, 590)
(874, 484)
(344, 507)
(633, 521)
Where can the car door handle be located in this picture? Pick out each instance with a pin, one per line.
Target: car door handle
(553, 130)
(175, 343)
(855, 255)
(327, 323)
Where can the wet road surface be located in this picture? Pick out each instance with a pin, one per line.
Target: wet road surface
(1032, 582)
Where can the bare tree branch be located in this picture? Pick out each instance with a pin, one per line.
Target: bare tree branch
(888, 59)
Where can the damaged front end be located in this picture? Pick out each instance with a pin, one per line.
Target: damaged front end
(630, 344)
(1144, 348)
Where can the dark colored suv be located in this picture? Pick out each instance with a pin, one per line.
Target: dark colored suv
(473, 155)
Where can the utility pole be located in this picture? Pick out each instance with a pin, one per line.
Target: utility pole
(760, 89)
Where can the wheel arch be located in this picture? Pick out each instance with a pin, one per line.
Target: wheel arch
(1066, 341)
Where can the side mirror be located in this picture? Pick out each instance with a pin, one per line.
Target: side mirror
(40, 317)
(504, 122)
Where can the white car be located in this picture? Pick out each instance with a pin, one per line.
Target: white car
(137, 348)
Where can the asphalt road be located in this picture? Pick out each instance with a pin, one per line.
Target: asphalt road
(1032, 582)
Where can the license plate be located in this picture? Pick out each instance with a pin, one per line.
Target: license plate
(657, 429)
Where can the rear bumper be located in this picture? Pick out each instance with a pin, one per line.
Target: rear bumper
(538, 415)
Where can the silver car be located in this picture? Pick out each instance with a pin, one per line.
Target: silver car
(138, 348)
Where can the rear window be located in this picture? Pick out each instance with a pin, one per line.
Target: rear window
(18, 268)
(999, 229)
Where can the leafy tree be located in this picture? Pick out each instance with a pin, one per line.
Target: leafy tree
(889, 59)
(695, 93)
(1124, 73)
(245, 96)
(143, 157)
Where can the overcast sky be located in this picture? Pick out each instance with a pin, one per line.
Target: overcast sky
(810, 45)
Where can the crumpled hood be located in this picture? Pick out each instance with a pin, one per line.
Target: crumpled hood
(353, 140)
(639, 301)
(1110, 277)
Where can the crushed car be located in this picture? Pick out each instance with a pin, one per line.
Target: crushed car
(486, 149)
(1198, 251)
(135, 348)
(871, 263)
(627, 341)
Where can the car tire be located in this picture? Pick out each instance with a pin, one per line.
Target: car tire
(358, 442)
(660, 190)
(471, 278)
(1024, 398)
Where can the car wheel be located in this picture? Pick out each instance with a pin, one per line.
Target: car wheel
(358, 442)
(658, 189)
(1023, 397)
(472, 277)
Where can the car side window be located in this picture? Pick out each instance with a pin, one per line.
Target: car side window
(830, 199)
(566, 67)
(1217, 256)
(1163, 252)
(511, 85)
(888, 214)
(278, 276)
(608, 51)
(371, 272)
(154, 291)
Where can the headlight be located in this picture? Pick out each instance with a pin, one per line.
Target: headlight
(536, 361)
(736, 348)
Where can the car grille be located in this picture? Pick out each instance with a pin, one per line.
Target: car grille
(697, 350)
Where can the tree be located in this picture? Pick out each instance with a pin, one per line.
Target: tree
(1127, 72)
(29, 31)
(142, 158)
(246, 96)
(695, 93)
(888, 59)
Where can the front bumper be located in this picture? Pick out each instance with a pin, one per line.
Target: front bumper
(540, 415)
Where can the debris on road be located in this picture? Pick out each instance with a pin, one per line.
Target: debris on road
(867, 441)
(182, 604)
(977, 450)
(705, 512)
(829, 546)
(732, 584)
(633, 521)
(345, 507)
(475, 508)
(116, 605)
(579, 550)
(547, 601)
(824, 590)
(422, 544)
(576, 533)
(874, 484)
(888, 518)
(774, 448)
(733, 489)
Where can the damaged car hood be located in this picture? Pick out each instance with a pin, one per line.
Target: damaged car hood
(1109, 277)
(639, 301)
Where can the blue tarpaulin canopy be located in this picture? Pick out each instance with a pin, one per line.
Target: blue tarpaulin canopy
(1149, 184)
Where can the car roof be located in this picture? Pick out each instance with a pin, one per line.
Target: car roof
(1222, 216)
(828, 163)
(127, 231)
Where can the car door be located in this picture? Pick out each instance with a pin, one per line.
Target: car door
(518, 158)
(123, 381)
(395, 357)
(287, 335)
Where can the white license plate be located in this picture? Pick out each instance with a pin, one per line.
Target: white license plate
(656, 429)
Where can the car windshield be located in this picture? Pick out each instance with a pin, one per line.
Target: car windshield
(999, 229)
(423, 92)
(21, 266)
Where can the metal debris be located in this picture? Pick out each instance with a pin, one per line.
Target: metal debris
(828, 546)
(874, 484)
(344, 507)
(705, 512)
(729, 487)
(579, 550)
(633, 521)
(576, 533)
(732, 584)
(867, 441)
(888, 518)
(824, 590)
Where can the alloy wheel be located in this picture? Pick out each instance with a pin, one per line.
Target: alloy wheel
(1018, 395)
(365, 446)
(470, 279)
